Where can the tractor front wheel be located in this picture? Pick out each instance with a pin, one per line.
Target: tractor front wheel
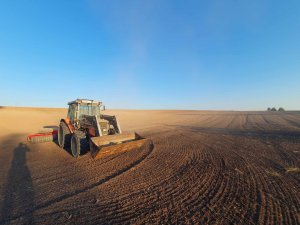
(64, 136)
(79, 144)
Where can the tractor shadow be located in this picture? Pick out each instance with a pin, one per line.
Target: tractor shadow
(68, 150)
(55, 140)
(19, 191)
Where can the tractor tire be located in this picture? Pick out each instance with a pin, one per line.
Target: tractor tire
(79, 144)
(64, 136)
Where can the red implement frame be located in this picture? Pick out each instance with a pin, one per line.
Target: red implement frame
(50, 136)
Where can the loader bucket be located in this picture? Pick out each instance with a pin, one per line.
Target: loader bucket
(113, 144)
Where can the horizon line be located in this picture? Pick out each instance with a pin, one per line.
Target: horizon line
(153, 109)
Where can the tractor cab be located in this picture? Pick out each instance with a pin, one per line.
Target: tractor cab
(83, 113)
(83, 107)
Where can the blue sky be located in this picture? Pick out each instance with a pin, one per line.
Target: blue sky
(234, 54)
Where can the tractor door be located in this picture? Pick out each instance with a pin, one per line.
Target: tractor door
(71, 113)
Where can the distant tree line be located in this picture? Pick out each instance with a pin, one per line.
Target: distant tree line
(274, 109)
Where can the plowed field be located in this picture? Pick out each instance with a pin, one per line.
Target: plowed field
(204, 167)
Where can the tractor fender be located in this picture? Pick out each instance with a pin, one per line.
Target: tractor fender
(69, 125)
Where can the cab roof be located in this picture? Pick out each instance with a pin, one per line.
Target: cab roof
(84, 101)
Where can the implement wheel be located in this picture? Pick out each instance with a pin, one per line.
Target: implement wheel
(79, 144)
(64, 136)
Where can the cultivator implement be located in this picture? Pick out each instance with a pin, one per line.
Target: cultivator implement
(42, 137)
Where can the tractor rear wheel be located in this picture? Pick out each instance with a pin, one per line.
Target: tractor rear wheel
(79, 144)
(64, 136)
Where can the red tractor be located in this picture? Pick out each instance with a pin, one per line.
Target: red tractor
(86, 128)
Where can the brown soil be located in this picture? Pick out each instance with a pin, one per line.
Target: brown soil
(204, 167)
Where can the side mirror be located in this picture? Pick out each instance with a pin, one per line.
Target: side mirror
(102, 107)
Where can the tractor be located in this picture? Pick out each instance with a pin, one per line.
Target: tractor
(87, 129)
